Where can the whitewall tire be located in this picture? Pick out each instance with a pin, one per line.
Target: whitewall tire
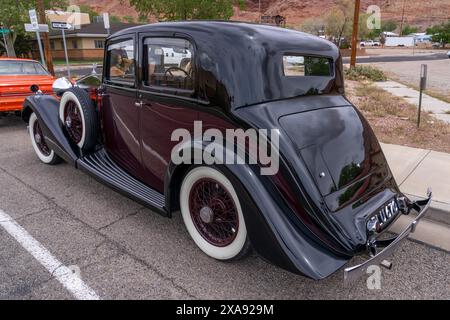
(42, 150)
(78, 116)
(213, 215)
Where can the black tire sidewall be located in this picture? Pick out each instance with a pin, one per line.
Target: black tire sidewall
(89, 113)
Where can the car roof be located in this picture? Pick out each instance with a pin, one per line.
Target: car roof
(246, 59)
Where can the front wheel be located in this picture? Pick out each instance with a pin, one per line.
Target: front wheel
(43, 151)
(213, 215)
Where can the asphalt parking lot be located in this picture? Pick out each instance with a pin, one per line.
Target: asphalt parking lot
(125, 251)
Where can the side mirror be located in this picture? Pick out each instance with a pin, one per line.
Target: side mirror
(60, 85)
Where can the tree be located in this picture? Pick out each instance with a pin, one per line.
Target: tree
(128, 19)
(388, 26)
(440, 33)
(313, 26)
(186, 9)
(115, 19)
(14, 14)
(338, 22)
(87, 9)
(407, 30)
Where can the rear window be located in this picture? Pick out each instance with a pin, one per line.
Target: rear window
(10, 67)
(306, 66)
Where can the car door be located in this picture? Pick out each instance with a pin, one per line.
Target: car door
(120, 113)
(167, 97)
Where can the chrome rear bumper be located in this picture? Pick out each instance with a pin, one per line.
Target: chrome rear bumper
(351, 274)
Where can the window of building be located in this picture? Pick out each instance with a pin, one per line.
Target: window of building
(168, 63)
(99, 44)
(74, 44)
(52, 45)
(121, 63)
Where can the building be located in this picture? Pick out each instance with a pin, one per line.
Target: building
(86, 43)
(74, 18)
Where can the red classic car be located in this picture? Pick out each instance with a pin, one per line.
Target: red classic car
(16, 78)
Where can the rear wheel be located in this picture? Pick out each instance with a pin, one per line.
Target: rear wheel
(40, 146)
(213, 215)
(78, 116)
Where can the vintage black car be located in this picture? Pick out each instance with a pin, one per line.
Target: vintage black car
(332, 195)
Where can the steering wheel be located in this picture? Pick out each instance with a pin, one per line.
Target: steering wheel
(169, 71)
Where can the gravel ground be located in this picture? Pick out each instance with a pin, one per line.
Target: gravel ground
(409, 73)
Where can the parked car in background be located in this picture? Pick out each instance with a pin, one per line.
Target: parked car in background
(332, 196)
(370, 43)
(448, 54)
(16, 78)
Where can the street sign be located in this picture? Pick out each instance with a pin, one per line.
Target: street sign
(423, 86)
(42, 28)
(33, 18)
(106, 20)
(61, 26)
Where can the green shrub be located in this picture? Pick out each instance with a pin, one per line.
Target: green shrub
(365, 73)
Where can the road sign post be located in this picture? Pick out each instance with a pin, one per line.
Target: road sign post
(35, 26)
(4, 31)
(106, 21)
(63, 26)
(423, 86)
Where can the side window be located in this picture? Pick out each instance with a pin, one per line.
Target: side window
(121, 66)
(168, 62)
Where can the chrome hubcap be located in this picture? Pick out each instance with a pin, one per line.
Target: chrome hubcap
(206, 214)
(68, 122)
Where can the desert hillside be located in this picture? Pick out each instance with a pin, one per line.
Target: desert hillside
(420, 13)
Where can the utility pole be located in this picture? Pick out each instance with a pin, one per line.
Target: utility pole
(46, 40)
(260, 13)
(355, 33)
(403, 18)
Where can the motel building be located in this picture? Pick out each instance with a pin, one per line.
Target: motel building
(84, 43)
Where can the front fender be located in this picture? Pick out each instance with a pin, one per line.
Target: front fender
(271, 231)
(46, 109)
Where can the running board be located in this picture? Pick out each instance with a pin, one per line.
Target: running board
(104, 169)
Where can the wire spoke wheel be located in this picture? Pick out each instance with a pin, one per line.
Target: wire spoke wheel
(73, 122)
(40, 139)
(213, 212)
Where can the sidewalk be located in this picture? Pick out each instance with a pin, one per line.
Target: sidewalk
(417, 169)
(437, 107)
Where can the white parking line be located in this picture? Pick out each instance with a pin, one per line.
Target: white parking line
(71, 281)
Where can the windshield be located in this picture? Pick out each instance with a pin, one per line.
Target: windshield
(11, 67)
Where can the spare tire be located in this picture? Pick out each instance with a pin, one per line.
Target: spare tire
(79, 118)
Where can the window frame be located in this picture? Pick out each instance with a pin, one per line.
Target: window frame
(297, 54)
(164, 90)
(106, 68)
(102, 42)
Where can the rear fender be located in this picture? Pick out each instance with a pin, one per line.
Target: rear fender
(271, 231)
(46, 109)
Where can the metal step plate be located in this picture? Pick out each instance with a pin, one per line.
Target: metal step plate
(104, 169)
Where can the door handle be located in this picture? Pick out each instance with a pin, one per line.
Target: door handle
(139, 104)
